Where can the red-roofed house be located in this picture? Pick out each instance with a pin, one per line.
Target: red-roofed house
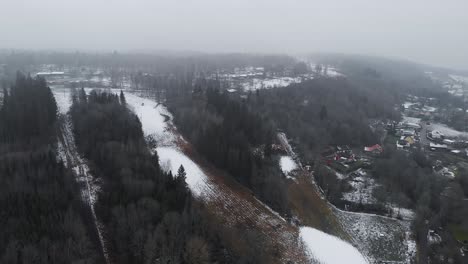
(375, 149)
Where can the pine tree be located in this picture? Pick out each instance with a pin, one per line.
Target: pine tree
(181, 173)
(123, 101)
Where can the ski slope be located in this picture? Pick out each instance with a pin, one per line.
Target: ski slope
(233, 204)
(156, 123)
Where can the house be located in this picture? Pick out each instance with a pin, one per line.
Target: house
(405, 142)
(409, 139)
(50, 74)
(434, 146)
(406, 132)
(375, 149)
(402, 144)
(448, 141)
(435, 135)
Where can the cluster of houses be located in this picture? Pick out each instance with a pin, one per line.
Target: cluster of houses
(420, 107)
(408, 133)
(343, 158)
(241, 73)
(438, 141)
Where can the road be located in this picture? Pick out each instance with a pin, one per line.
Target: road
(422, 135)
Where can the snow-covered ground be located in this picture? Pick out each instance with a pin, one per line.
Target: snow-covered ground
(328, 249)
(447, 131)
(156, 123)
(288, 148)
(379, 238)
(362, 192)
(412, 120)
(287, 164)
(153, 119)
(63, 99)
(267, 83)
(171, 159)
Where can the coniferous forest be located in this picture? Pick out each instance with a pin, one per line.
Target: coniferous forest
(149, 215)
(41, 216)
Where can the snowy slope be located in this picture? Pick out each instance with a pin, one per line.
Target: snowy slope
(231, 203)
(378, 237)
(170, 160)
(152, 116)
(328, 249)
(156, 123)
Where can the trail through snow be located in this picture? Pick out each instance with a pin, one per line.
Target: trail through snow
(68, 153)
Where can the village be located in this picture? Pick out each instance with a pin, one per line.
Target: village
(446, 147)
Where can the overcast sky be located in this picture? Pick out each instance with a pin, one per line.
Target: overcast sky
(428, 31)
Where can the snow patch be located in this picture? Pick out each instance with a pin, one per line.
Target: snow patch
(411, 120)
(156, 123)
(257, 83)
(63, 99)
(287, 164)
(382, 239)
(328, 249)
(362, 190)
(153, 117)
(171, 159)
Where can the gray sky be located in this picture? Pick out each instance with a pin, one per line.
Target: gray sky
(428, 31)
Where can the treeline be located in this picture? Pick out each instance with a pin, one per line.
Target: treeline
(28, 114)
(163, 62)
(233, 137)
(149, 215)
(42, 220)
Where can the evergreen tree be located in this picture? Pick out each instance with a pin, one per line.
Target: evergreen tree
(123, 101)
(181, 174)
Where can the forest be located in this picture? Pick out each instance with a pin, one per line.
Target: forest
(234, 138)
(149, 215)
(42, 219)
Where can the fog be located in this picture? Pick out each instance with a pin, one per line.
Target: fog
(426, 31)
